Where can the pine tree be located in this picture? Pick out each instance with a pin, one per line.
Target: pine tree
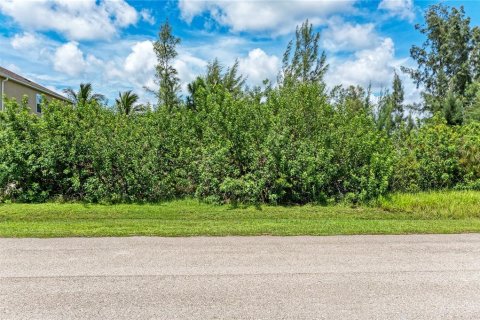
(166, 75)
(390, 107)
(306, 64)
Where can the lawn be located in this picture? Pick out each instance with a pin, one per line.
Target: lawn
(438, 212)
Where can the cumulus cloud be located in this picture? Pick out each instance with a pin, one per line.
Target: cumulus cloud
(76, 20)
(119, 12)
(275, 16)
(69, 59)
(258, 66)
(374, 67)
(138, 68)
(370, 66)
(140, 63)
(401, 8)
(24, 41)
(344, 36)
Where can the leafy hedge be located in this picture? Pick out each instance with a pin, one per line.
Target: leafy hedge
(438, 156)
(293, 147)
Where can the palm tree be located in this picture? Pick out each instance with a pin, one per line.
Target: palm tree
(126, 103)
(84, 95)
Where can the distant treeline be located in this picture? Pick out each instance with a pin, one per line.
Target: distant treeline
(292, 141)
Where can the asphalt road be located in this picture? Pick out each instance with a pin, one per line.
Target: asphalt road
(345, 277)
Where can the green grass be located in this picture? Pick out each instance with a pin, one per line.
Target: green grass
(439, 212)
(436, 205)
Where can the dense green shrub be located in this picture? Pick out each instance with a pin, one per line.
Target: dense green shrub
(435, 147)
(20, 172)
(292, 147)
(438, 156)
(469, 155)
(91, 153)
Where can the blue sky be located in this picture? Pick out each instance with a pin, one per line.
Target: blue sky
(62, 43)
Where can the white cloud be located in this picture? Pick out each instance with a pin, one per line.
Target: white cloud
(24, 41)
(139, 66)
(275, 15)
(370, 66)
(258, 66)
(147, 16)
(30, 48)
(142, 58)
(373, 67)
(188, 67)
(69, 59)
(401, 8)
(119, 12)
(344, 36)
(76, 20)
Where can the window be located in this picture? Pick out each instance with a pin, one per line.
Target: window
(39, 103)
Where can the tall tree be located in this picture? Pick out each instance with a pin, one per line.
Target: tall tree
(166, 75)
(307, 63)
(390, 107)
(84, 95)
(126, 101)
(448, 60)
(398, 94)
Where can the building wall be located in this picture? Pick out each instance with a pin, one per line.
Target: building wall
(16, 90)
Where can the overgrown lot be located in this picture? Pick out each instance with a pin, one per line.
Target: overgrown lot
(295, 140)
(448, 212)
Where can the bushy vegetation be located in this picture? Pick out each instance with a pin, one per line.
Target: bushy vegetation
(289, 142)
(293, 148)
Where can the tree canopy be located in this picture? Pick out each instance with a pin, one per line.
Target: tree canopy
(165, 49)
(447, 61)
(84, 95)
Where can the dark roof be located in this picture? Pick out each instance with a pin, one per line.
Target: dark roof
(18, 78)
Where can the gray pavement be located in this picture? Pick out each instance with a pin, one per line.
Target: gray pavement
(344, 277)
